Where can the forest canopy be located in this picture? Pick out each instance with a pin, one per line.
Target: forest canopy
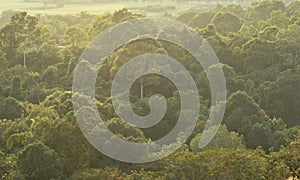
(258, 46)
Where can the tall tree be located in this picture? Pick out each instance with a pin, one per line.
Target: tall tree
(15, 34)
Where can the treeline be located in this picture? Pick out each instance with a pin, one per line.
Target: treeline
(116, 1)
(259, 48)
(154, 8)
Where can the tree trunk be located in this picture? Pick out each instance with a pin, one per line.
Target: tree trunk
(142, 90)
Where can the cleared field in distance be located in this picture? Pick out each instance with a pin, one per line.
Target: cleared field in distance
(92, 8)
(99, 8)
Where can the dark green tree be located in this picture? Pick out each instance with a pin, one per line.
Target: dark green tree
(37, 161)
(10, 108)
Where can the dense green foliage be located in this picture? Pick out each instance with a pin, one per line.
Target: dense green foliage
(258, 46)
